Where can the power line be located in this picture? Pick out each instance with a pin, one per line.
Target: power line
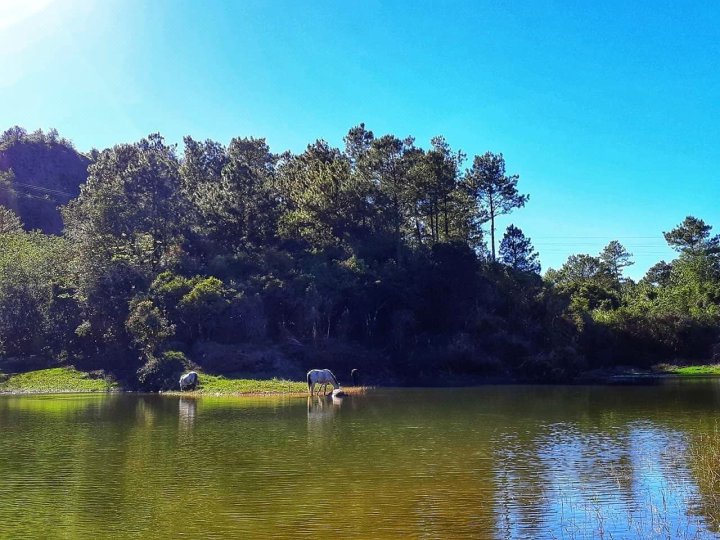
(661, 244)
(594, 237)
(46, 198)
(31, 186)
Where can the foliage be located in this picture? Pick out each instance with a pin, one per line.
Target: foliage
(148, 326)
(369, 257)
(492, 190)
(9, 221)
(588, 281)
(204, 306)
(33, 289)
(39, 172)
(517, 252)
(163, 372)
(231, 191)
(658, 274)
(692, 236)
(325, 204)
(124, 228)
(616, 258)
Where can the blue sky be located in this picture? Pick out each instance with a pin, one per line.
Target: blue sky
(608, 111)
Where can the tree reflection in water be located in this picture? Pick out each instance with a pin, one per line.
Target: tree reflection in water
(625, 482)
(506, 462)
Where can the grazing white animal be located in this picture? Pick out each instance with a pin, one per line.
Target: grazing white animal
(189, 380)
(321, 377)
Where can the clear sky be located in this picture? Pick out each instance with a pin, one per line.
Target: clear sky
(609, 111)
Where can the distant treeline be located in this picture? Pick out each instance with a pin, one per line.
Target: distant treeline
(381, 256)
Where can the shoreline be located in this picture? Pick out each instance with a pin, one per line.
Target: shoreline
(68, 380)
(347, 390)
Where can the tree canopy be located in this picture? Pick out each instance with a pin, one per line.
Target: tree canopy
(517, 251)
(692, 236)
(240, 260)
(493, 192)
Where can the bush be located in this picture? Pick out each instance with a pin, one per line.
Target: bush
(247, 319)
(148, 327)
(204, 305)
(162, 373)
(559, 365)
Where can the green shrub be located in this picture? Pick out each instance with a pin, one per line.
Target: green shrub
(148, 327)
(204, 305)
(162, 373)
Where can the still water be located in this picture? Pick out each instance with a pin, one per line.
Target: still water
(488, 462)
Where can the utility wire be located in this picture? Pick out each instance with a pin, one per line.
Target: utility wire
(592, 237)
(59, 192)
(46, 198)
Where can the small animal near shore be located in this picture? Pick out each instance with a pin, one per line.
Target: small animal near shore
(321, 377)
(189, 380)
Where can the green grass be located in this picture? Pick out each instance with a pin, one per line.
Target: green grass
(217, 384)
(55, 380)
(704, 370)
(70, 380)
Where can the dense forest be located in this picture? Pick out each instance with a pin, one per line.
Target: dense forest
(143, 260)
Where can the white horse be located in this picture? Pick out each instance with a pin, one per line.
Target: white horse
(321, 377)
(189, 380)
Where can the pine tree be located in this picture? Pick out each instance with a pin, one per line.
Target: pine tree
(517, 251)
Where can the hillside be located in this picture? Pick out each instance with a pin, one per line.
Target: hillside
(38, 173)
(382, 256)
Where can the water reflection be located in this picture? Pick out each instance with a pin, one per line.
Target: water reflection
(187, 410)
(510, 462)
(58, 405)
(628, 483)
(321, 415)
(323, 406)
(704, 461)
(145, 410)
(322, 409)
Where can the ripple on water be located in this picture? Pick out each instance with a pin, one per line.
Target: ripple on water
(509, 462)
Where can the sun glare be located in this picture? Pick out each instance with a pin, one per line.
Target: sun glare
(13, 12)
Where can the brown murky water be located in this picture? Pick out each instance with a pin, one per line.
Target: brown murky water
(489, 462)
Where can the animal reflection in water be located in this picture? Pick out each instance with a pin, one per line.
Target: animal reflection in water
(321, 377)
(321, 411)
(186, 412)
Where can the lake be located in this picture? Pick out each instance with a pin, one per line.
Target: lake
(487, 462)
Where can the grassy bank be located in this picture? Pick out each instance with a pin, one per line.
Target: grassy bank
(68, 379)
(689, 371)
(55, 380)
(217, 384)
